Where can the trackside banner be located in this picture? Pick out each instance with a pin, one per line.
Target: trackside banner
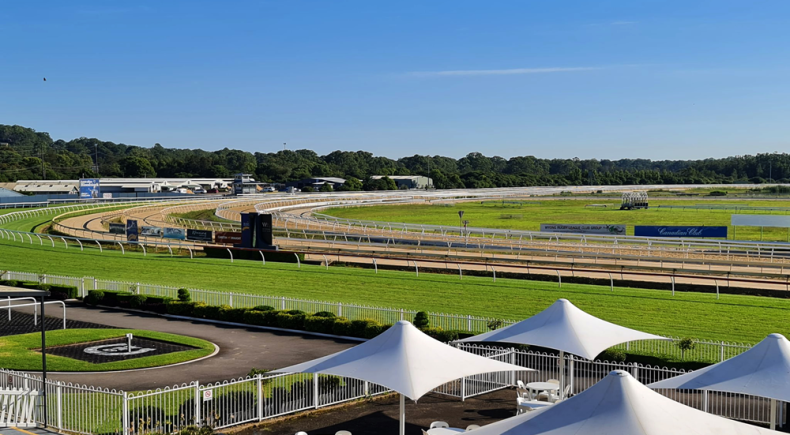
(89, 188)
(199, 235)
(616, 230)
(680, 231)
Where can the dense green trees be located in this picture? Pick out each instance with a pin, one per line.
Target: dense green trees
(22, 150)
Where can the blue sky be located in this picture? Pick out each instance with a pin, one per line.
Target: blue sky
(590, 79)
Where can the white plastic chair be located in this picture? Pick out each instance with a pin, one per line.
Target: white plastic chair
(530, 405)
(472, 427)
(342, 432)
(521, 384)
(555, 397)
(554, 381)
(522, 392)
(301, 433)
(437, 424)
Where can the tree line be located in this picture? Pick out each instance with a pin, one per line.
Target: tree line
(27, 154)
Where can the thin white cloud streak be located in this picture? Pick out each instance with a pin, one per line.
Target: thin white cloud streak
(501, 72)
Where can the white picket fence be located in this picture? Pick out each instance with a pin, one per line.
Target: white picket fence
(704, 350)
(91, 410)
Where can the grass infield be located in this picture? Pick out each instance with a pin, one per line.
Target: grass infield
(530, 214)
(21, 352)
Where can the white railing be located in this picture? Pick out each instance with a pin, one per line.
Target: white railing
(704, 350)
(90, 410)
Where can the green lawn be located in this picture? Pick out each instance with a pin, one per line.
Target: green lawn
(732, 318)
(490, 213)
(20, 352)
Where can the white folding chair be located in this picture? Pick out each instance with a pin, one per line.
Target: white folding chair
(472, 427)
(437, 424)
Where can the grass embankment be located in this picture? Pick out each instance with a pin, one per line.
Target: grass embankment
(203, 215)
(21, 352)
(698, 315)
(530, 214)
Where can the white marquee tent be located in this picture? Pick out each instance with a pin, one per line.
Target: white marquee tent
(763, 371)
(405, 360)
(565, 327)
(619, 404)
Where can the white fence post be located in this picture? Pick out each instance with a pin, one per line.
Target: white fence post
(315, 390)
(198, 403)
(298, 263)
(60, 405)
(230, 299)
(259, 382)
(125, 417)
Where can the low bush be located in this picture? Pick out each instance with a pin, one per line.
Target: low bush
(137, 301)
(63, 292)
(358, 327)
(124, 299)
(612, 355)
(235, 315)
(286, 320)
(315, 323)
(342, 326)
(94, 297)
(421, 320)
(442, 335)
(10, 283)
(204, 311)
(324, 314)
(177, 308)
(33, 285)
(263, 308)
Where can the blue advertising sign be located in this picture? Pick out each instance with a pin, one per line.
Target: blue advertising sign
(174, 233)
(89, 188)
(680, 231)
(132, 234)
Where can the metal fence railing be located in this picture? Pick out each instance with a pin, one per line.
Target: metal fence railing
(91, 410)
(703, 351)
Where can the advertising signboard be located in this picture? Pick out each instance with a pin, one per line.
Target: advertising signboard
(611, 229)
(151, 232)
(264, 230)
(89, 188)
(106, 195)
(227, 237)
(680, 231)
(117, 228)
(131, 231)
(246, 229)
(174, 233)
(199, 235)
(760, 220)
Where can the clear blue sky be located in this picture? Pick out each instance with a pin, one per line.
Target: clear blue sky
(656, 79)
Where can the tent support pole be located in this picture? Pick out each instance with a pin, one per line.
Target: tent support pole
(773, 414)
(402, 430)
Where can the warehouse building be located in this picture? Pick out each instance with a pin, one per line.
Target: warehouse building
(317, 182)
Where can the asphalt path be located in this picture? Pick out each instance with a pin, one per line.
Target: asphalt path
(241, 349)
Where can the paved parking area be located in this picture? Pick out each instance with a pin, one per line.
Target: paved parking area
(241, 349)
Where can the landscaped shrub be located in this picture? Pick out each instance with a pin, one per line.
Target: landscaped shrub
(111, 298)
(123, 299)
(183, 295)
(94, 297)
(612, 355)
(320, 324)
(684, 345)
(204, 311)
(442, 335)
(324, 314)
(342, 326)
(137, 301)
(290, 321)
(10, 283)
(229, 314)
(421, 320)
(358, 327)
(263, 308)
(295, 312)
(62, 292)
(254, 318)
(33, 285)
(372, 330)
(182, 308)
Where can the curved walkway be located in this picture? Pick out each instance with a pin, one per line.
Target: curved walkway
(240, 350)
